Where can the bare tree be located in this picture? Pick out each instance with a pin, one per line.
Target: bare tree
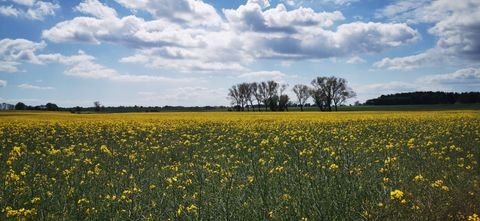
(328, 90)
(272, 97)
(245, 94)
(263, 92)
(97, 106)
(320, 92)
(302, 93)
(255, 87)
(341, 92)
(234, 96)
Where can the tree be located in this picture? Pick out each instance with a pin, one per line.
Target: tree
(283, 102)
(97, 106)
(51, 107)
(20, 106)
(245, 94)
(263, 92)
(340, 91)
(302, 93)
(256, 93)
(272, 94)
(234, 96)
(319, 92)
(328, 90)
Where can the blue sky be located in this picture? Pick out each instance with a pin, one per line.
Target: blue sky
(189, 52)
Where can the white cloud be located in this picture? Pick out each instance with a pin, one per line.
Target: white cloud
(252, 31)
(15, 51)
(339, 2)
(356, 60)
(466, 76)
(9, 11)
(96, 9)
(3, 83)
(34, 87)
(261, 3)
(83, 65)
(278, 19)
(455, 25)
(25, 2)
(213, 58)
(348, 39)
(410, 62)
(264, 76)
(191, 96)
(30, 9)
(9, 66)
(185, 12)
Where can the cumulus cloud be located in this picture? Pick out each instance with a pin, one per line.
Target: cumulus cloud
(3, 83)
(410, 62)
(185, 12)
(278, 19)
(15, 51)
(83, 65)
(9, 66)
(264, 75)
(466, 76)
(34, 87)
(96, 9)
(455, 25)
(25, 2)
(348, 39)
(356, 60)
(339, 2)
(253, 31)
(9, 11)
(30, 9)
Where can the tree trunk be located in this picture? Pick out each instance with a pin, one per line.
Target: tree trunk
(301, 108)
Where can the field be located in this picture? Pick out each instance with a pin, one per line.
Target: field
(240, 166)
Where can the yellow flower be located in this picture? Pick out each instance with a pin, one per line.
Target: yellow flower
(437, 183)
(251, 179)
(396, 194)
(474, 217)
(35, 199)
(333, 167)
(105, 149)
(419, 178)
(192, 208)
(270, 214)
(83, 200)
(179, 210)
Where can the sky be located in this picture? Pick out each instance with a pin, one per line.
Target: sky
(189, 52)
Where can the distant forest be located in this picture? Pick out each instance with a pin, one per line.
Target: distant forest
(429, 97)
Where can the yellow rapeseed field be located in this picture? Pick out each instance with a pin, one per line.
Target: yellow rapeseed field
(240, 166)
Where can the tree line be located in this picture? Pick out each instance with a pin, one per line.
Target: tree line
(327, 93)
(428, 97)
(48, 107)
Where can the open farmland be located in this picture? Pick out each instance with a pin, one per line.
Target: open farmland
(240, 166)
